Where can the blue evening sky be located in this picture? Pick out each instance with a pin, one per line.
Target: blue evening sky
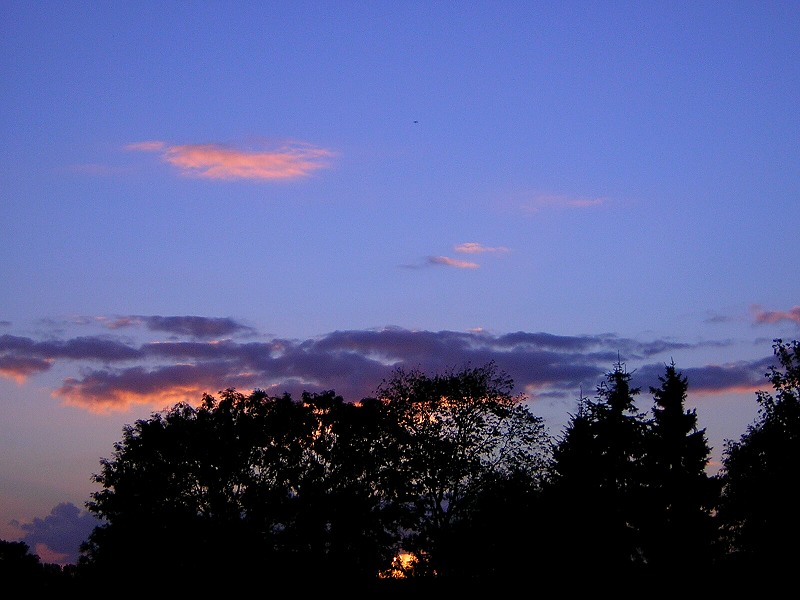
(305, 195)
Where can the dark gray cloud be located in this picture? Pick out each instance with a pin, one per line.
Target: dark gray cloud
(60, 533)
(198, 327)
(20, 367)
(21, 357)
(709, 379)
(353, 363)
(78, 348)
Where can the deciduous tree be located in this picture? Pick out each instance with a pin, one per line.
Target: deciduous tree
(319, 487)
(760, 522)
(463, 435)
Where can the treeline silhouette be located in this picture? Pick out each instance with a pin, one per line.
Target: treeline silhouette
(448, 481)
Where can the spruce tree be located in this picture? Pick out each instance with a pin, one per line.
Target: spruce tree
(596, 484)
(678, 527)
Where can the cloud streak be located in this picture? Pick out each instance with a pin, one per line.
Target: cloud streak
(200, 327)
(218, 161)
(476, 248)
(110, 374)
(446, 261)
(554, 201)
(456, 263)
(775, 316)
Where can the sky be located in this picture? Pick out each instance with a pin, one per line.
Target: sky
(302, 195)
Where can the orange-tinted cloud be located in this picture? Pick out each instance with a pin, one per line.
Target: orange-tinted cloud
(743, 388)
(79, 394)
(775, 316)
(476, 248)
(20, 368)
(217, 161)
(452, 262)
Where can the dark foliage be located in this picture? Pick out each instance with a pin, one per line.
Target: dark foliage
(322, 495)
(246, 485)
(677, 526)
(463, 435)
(597, 487)
(759, 521)
(21, 570)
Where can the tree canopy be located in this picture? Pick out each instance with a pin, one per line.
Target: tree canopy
(759, 523)
(248, 480)
(447, 478)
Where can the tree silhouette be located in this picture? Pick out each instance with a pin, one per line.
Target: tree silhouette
(313, 491)
(677, 524)
(759, 522)
(20, 570)
(242, 485)
(463, 435)
(597, 485)
(322, 494)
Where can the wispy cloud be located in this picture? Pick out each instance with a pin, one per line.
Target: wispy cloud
(113, 374)
(476, 248)
(465, 248)
(218, 161)
(775, 316)
(452, 262)
(97, 169)
(200, 327)
(545, 201)
(147, 146)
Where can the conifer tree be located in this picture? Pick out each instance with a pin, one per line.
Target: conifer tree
(678, 525)
(596, 485)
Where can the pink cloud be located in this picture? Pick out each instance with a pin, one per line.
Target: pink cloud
(476, 248)
(216, 161)
(47, 555)
(148, 146)
(774, 316)
(120, 322)
(743, 388)
(452, 262)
